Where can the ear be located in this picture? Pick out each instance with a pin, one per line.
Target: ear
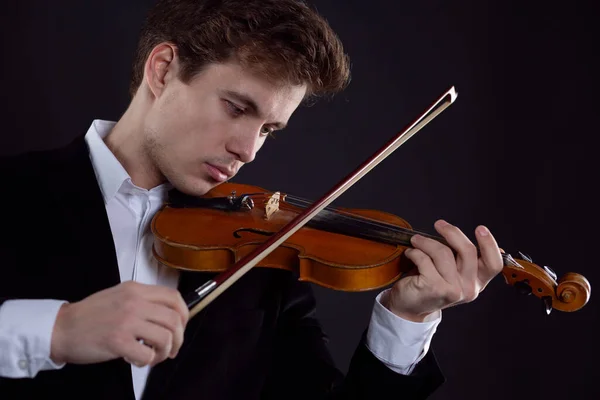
(160, 68)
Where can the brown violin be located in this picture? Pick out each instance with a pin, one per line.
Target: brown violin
(342, 249)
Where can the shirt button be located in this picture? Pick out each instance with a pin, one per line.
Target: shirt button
(23, 364)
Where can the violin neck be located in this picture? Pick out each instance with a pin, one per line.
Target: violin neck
(331, 220)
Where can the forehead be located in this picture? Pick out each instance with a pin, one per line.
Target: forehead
(275, 99)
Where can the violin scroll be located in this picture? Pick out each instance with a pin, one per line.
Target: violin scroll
(573, 291)
(569, 293)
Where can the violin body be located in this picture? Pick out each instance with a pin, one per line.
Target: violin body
(211, 240)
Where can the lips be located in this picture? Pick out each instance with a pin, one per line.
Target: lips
(219, 174)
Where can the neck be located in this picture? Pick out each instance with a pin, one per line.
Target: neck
(126, 142)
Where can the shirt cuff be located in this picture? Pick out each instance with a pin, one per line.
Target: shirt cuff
(25, 337)
(398, 343)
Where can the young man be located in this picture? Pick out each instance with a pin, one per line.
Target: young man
(88, 313)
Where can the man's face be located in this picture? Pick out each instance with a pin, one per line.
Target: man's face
(200, 134)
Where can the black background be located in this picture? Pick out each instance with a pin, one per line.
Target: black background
(516, 152)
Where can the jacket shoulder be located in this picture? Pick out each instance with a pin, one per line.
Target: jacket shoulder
(34, 171)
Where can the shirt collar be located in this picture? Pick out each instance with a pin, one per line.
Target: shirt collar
(112, 177)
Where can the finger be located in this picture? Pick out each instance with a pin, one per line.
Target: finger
(441, 256)
(137, 353)
(168, 319)
(425, 266)
(168, 297)
(491, 262)
(154, 335)
(430, 274)
(466, 252)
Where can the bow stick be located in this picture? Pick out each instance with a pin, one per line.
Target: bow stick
(205, 294)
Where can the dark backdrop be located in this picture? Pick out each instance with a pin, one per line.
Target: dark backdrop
(515, 152)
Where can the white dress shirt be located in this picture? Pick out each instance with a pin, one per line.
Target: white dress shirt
(26, 325)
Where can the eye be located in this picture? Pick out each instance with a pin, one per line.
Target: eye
(265, 131)
(233, 109)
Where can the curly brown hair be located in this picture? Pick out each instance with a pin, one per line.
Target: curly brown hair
(283, 39)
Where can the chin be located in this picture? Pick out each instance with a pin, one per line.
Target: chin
(195, 186)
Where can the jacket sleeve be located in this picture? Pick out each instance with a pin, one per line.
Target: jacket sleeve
(304, 369)
(26, 325)
(7, 257)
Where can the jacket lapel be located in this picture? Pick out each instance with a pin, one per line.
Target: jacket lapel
(87, 227)
(84, 215)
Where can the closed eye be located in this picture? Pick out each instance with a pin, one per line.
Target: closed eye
(233, 109)
(236, 111)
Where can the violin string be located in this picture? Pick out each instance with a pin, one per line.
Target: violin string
(507, 258)
(346, 214)
(356, 217)
(367, 221)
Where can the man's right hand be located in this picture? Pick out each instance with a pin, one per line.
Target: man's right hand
(110, 324)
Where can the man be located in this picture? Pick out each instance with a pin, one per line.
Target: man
(88, 313)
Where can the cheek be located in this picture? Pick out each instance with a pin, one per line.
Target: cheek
(190, 128)
(193, 140)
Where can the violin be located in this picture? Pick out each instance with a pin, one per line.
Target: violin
(341, 249)
(235, 227)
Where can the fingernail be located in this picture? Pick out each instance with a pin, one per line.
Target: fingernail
(442, 223)
(415, 239)
(483, 231)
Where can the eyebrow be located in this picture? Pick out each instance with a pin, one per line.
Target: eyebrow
(248, 102)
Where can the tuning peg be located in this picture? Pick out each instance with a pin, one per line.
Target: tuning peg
(550, 272)
(525, 257)
(547, 300)
(547, 269)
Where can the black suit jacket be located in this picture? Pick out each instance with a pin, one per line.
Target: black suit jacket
(258, 340)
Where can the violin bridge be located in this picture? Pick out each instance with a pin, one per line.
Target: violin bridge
(272, 205)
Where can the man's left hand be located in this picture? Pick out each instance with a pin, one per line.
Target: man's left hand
(444, 279)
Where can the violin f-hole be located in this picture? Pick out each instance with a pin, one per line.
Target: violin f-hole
(253, 230)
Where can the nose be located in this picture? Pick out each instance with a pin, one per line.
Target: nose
(244, 145)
